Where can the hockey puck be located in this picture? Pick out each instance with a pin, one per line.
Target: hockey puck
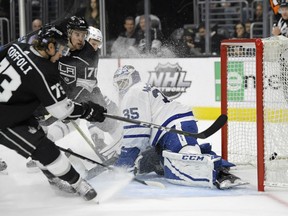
(273, 156)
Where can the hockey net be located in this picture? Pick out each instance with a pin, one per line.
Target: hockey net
(254, 95)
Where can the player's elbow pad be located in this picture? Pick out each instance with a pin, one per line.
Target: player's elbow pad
(61, 109)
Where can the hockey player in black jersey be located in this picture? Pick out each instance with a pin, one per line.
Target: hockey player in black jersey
(29, 79)
(78, 73)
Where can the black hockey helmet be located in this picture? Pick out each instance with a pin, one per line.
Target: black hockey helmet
(77, 23)
(49, 33)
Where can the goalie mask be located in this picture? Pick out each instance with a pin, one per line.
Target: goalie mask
(125, 77)
(95, 34)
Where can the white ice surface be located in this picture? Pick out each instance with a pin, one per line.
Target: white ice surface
(24, 193)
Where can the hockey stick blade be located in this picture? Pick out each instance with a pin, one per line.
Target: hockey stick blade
(218, 124)
(148, 183)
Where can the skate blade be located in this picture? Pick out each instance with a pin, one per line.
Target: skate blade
(4, 172)
(33, 170)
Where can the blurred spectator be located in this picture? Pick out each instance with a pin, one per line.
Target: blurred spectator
(248, 26)
(156, 36)
(140, 12)
(239, 31)
(125, 40)
(200, 38)
(92, 15)
(129, 26)
(185, 47)
(154, 19)
(215, 37)
(36, 25)
(258, 15)
(281, 27)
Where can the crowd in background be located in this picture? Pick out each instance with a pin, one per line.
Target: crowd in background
(183, 41)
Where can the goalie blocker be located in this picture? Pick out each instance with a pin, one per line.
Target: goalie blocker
(191, 169)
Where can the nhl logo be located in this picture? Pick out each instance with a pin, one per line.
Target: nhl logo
(170, 79)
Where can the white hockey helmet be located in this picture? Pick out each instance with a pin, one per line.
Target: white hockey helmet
(96, 34)
(125, 77)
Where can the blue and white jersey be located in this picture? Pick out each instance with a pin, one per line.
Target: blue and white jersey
(146, 103)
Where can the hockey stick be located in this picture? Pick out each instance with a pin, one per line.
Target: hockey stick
(87, 140)
(219, 123)
(149, 183)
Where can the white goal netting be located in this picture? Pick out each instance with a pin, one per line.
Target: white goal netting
(246, 61)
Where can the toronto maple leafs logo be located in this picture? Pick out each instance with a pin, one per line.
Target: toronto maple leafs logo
(170, 79)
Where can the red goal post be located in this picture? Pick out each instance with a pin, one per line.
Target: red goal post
(254, 96)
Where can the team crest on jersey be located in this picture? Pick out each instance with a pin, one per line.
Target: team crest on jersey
(67, 72)
(170, 79)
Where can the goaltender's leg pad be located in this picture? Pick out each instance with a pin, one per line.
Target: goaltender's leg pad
(190, 169)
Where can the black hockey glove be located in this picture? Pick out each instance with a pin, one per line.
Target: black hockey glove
(93, 112)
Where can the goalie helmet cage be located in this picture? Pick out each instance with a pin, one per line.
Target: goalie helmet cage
(254, 96)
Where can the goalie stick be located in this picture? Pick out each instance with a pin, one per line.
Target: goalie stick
(144, 182)
(217, 124)
(100, 157)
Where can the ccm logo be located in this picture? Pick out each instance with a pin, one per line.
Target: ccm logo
(193, 157)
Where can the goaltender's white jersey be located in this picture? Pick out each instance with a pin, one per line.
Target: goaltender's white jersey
(143, 102)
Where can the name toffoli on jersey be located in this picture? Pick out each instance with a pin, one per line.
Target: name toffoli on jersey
(19, 59)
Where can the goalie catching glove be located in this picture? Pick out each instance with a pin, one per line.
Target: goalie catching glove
(129, 159)
(93, 112)
(139, 162)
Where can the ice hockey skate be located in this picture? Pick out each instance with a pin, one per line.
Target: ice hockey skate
(226, 180)
(61, 185)
(84, 189)
(32, 166)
